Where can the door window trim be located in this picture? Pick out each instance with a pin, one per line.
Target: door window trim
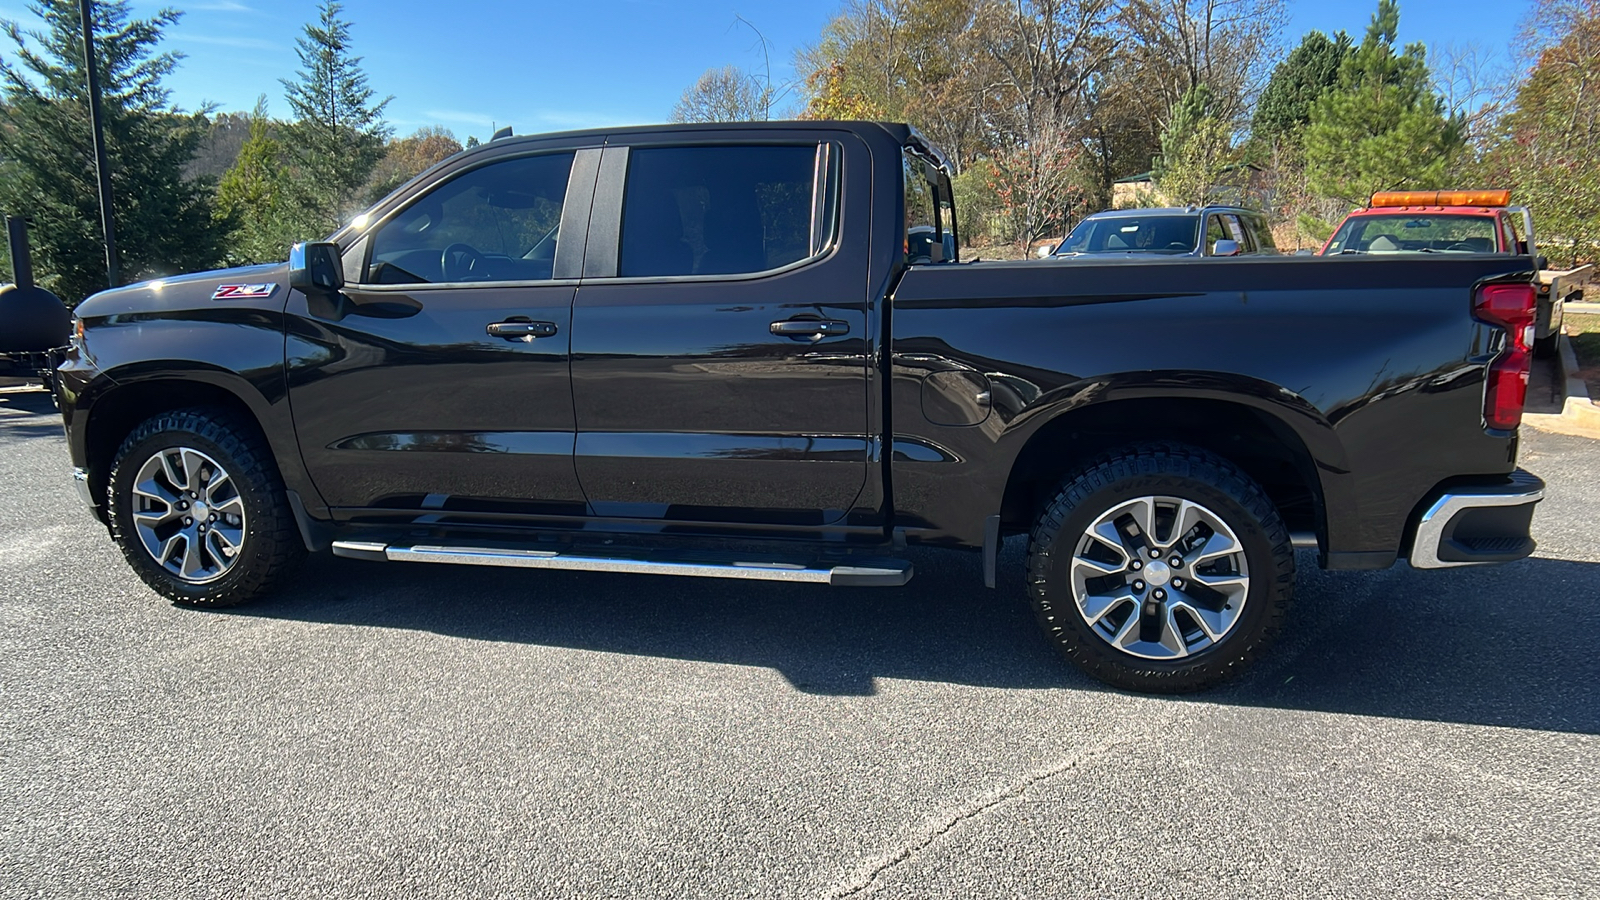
(576, 206)
(610, 195)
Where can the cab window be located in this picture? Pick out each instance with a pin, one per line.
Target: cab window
(495, 223)
(1510, 237)
(723, 210)
(930, 234)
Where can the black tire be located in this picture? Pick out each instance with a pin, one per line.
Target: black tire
(1169, 471)
(271, 543)
(1545, 347)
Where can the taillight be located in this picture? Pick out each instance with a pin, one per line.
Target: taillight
(1510, 306)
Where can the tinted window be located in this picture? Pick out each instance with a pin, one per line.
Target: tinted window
(717, 210)
(495, 223)
(930, 213)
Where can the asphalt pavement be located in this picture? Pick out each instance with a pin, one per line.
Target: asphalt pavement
(384, 730)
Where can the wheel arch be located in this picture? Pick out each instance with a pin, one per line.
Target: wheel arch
(122, 398)
(1261, 437)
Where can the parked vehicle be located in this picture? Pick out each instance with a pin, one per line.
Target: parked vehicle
(1171, 231)
(1458, 222)
(703, 350)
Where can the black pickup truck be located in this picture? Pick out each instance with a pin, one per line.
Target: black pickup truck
(718, 351)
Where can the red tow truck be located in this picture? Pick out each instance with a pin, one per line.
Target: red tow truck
(1449, 222)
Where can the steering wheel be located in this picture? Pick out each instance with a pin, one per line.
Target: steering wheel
(459, 262)
(1463, 245)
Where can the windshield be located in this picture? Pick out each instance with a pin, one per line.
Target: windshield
(1133, 234)
(1412, 233)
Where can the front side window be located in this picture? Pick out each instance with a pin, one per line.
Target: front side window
(1215, 231)
(495, 223)
(1414, 233)
(720, 210)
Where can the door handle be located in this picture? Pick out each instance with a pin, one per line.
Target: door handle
(810, 329)
(521, 329)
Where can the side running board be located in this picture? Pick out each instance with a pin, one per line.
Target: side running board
(864, 573)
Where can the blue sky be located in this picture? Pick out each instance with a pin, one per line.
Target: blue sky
(543, 66)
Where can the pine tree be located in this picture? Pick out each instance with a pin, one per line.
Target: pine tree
(338, 134)
(163, 222)
(1382, 127)
(1195, 150)
(256, 197)
(1308, 72)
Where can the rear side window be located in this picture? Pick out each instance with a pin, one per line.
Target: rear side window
(721, 210)
(1236, 231)
(1263, 235)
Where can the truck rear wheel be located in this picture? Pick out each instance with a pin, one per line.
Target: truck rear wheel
(1162, 568)
(199, 510)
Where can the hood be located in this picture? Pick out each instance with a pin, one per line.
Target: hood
(190, 291)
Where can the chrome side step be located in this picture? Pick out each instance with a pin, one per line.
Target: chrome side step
(877, 573)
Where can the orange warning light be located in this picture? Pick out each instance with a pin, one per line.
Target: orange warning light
(1441, 198)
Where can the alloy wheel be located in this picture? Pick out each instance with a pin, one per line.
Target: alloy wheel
(1160, 577)
(188, 514)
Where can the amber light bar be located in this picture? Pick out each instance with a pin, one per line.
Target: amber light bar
(1441, 198)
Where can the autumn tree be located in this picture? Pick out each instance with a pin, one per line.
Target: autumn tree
(1546, 151)
(408, 157)
(728, 94)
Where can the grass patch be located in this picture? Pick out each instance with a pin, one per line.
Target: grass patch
(1584, 333)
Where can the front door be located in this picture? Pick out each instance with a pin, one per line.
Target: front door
(720, 338)
(438, 386)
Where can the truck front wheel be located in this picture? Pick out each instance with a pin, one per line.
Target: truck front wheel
(1161, 567)
(199, 509)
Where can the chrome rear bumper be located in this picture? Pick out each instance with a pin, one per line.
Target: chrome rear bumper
(1473, 525)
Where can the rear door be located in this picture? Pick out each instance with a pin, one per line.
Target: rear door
(720, 333)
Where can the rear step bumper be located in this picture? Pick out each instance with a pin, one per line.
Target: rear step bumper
(1478, 525)
(859, 573)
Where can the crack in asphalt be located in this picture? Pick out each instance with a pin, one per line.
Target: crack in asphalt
(866, 880)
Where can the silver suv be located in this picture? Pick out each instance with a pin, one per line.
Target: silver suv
(1170, 231)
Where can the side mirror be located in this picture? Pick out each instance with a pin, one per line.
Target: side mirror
(1541, 262)
(315, 268)
(1225, 247)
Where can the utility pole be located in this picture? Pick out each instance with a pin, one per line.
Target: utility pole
(101, 167)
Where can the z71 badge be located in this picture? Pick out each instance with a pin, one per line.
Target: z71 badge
(244, 291)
